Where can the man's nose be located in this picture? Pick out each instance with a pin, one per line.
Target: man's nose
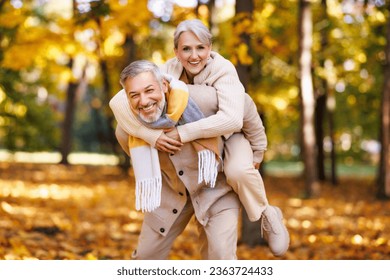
(143, 101)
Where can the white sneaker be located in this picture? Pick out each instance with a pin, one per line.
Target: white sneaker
(274, 230)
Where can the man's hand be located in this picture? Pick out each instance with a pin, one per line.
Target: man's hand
(167, 144)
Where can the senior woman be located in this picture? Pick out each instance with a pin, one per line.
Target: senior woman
(236, 119)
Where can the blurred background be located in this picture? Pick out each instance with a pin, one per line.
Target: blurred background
(60, 62)
(317, 70)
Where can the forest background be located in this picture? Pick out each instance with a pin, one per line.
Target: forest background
(317, 70)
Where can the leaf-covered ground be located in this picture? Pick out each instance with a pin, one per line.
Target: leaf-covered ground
(87, 212)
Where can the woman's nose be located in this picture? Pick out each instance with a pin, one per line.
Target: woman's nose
(194, 54)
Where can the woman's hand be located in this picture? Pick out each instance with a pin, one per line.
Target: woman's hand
(173, 133)
(167, 144)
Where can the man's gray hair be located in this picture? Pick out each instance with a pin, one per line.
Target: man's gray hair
(138, 67)
(195, 26)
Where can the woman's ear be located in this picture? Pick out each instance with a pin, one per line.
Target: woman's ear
(176, 54)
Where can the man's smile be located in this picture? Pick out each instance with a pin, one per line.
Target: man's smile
(148, 107)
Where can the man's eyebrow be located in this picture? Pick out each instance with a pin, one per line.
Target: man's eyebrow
(147, 87)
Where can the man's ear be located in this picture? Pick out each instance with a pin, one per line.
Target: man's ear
(165, 86)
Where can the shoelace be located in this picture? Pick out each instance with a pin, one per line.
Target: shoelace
(263, 226)
(267, 225)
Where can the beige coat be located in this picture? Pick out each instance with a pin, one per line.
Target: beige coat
(181, 171)
(178, 172)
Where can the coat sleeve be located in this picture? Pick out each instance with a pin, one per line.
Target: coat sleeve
(253, 130)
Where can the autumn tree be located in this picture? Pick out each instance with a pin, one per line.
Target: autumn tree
(325, 100)
(241, 28)
(27, 121)
(70, 104)
(384, 167)
(307, 97)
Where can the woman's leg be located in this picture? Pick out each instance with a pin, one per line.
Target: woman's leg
(245, 180)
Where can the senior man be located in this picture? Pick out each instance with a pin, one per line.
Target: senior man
(216, 207)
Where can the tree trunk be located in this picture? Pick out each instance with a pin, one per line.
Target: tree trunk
(210, 11)
(331, 103)
(384, 168)
(66, 141)
(250, 231)
(320, 110)
(110, 139)
(307, 98)
(328, 90)
(244, 7)
(128, 57)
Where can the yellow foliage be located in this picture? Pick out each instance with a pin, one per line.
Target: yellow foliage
(18, 57)
(269, 42)
(378, 16)
(243, 24)
(113, 42)
(11, 19)
(81, 212)
(351, 99)
(2, 94)
(268, 10)
(243, 57)
(16, 109)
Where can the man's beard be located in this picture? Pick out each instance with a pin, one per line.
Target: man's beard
(156, 116)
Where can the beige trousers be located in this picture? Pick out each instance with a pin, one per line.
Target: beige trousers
(217, 239)
(245, 180)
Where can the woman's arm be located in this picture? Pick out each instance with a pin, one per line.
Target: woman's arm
(253, 130)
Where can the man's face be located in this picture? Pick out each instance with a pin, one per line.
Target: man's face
(145, 96)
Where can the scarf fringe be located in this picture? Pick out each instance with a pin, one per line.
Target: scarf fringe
(148, 194)
(207, 167)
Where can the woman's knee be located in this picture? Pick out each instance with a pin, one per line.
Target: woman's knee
(236, 173)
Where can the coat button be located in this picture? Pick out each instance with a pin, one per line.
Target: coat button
(181, 172)
(181, 194)
(174, 211)
(162, 230)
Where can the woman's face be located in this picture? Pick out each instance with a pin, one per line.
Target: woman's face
(192, 53)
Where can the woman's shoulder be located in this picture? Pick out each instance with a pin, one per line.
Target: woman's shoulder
(220, 60)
